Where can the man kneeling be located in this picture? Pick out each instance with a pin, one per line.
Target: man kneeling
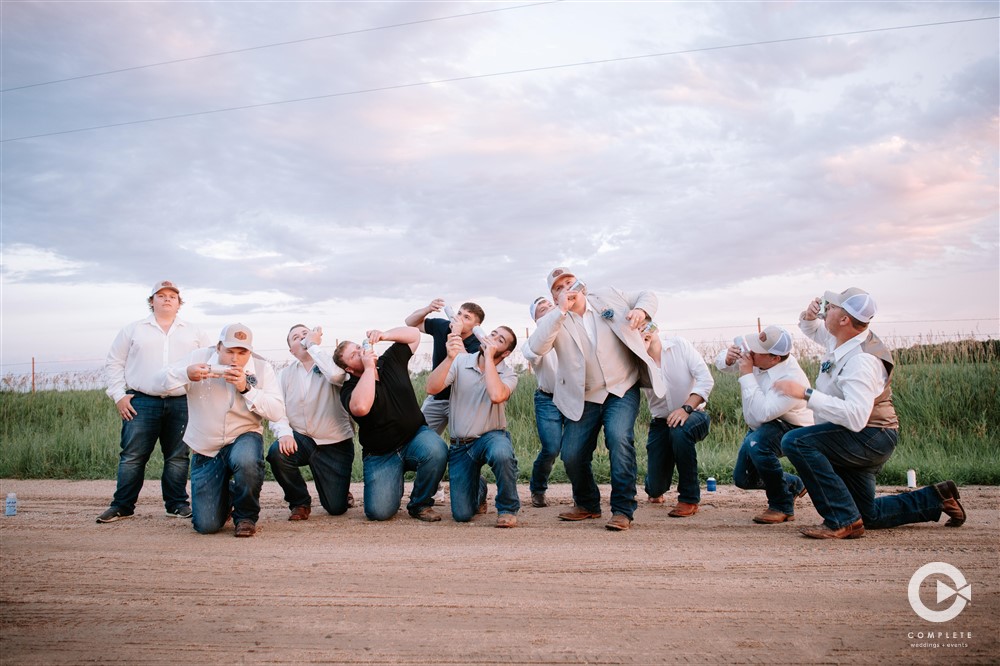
(230, 391)
(480, 385)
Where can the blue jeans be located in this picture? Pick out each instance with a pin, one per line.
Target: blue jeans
(426, 454)
(839, 466)
(230, 480)
(495, 449)
(331, 466)
(667, 448)
(549, 422)
(156, 418)
(758, 466)
(579, 441)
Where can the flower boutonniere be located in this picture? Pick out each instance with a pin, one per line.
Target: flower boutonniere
(826, 366)
(251, 380)
(608, 314)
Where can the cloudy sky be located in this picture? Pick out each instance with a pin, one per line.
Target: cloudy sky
(736, 183)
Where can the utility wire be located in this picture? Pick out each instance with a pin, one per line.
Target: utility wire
(268, 46)
(471, 77)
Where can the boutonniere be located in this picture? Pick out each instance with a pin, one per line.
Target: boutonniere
(826, 367)
(608, 314)
(251, 380)
(316, 370)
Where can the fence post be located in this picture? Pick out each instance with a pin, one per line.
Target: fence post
(32, 374)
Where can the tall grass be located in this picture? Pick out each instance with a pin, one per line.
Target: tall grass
(945, 395)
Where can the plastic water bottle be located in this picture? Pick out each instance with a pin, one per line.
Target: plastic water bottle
(11, 509)
(911, 478)
(710, 484)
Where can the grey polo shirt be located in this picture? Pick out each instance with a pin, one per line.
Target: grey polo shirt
(472, 412)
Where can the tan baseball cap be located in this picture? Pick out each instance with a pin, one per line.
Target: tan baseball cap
(772, 340)
(236, 335)
(165, 284)
(557, 273)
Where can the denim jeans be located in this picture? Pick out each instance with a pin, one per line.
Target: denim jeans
(579, 441)
(668, 447)
(156, 418)
(549, 422)
(495, 449)
(426, 454)
(758, 466)
(839, 466)
(230, 480)
(331, 466)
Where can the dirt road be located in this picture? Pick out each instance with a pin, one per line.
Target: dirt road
(712, 588)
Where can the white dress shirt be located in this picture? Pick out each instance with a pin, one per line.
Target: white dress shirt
(142, 349)
(761, 403)
(846, 392)
(545, 367)
(217, 412)
(684, 372)
(312, 401)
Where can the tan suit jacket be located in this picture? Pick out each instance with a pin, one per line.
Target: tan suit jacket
(571, 376)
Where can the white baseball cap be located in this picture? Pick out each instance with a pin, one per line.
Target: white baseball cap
(857, 302)
(772, 340)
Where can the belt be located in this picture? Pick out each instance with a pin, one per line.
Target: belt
(463, 440)
(147, 395)
(545, 393)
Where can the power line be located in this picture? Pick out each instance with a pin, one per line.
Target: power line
(472, 77)
(268, 46)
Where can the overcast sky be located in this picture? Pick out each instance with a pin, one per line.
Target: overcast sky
(736, 183)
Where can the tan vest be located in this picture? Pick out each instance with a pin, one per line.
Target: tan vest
(883, 413)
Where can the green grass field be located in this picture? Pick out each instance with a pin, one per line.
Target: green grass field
(945, 395)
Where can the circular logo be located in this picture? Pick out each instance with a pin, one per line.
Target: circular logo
(960, 589)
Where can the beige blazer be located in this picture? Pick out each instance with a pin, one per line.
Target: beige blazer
(571, 375)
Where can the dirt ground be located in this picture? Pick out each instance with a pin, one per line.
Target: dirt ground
(712, 588)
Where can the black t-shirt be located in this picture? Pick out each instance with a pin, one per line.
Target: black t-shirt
(439, 329)
(395, 415)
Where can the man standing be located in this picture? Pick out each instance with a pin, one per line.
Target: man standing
(548, 418)
(856, 428)
(679, 421)
(602, 362)
(231, 391)
(317, 431)
(140, 350)
(469, 315)
(393, 433)
(481, 383)
(762, 359)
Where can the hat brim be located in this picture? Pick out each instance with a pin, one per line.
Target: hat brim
(753, 342)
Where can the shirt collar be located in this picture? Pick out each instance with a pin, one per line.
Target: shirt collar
(856, 341)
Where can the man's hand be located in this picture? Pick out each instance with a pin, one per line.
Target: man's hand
(315, 336)
(454, 345)
(125, 408)
(567, 299)
(436, 305)
(745, 364)
(636, 318)
(812, 310)
(199, 371)
(733, 354)
(287, 445)
(237, 377)
(791, 388)
(677, 418)
(489, 348)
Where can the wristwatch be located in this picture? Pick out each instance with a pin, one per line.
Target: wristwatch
(246, 389)
(809, 394)
(687, 408)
